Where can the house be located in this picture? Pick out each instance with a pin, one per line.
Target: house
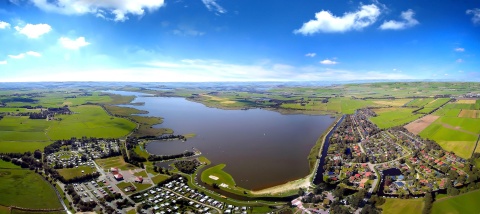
(114, 170)
(139, 179)
(118, 176)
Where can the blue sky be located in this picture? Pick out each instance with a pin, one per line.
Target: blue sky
(238, 40)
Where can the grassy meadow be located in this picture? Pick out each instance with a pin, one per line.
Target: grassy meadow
(25, 188)
(401, 206)
(117, 161)
(465, 203)
(391, 117)
(8, 165)
(334, 105)
(69, 173)
(89, 120)
(223, 177)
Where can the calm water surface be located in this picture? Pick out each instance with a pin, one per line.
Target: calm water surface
(260, 148)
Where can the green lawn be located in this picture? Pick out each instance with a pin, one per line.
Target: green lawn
(159, 178)
(25, 188)
(90, 121)
(465, 203)
(69, 173)
(117, 161)
(8, 165)
(401, 206)
(391, 117)
(141, 187)
(223, 177)
(142, 173)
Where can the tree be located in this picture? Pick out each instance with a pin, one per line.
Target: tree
(427, 208)
(301, 192)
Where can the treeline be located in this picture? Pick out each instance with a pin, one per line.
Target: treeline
(77, 179)
(26, 160)
(187, 166)
(170, 157)
(50, 112)
(163, 137)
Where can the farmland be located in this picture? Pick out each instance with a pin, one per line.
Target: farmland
(390, 117)
(419, 102)
(465, 203)
(24, 188)
(334, 105)
(90, 121)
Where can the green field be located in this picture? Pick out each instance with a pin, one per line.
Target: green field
(8, 165)
(437, 103)
(223, 177)
(391, 117)
(419, 102)
(463, 149)
(447, 112)
(401, 206)
(25, 188)
(90, 121)
(334, 105)
(15, 110)
(21, 134)
(69, 173)
(159, 178)
(23, 129)
(454, 134)
(465, 203)
(20, 147)
(117, 161)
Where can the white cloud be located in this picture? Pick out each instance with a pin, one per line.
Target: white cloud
(459, 60)
(34, 30)
(119, 9)
(19, 56)
(22, 55)
(73, 44)
(459, 49)
(328, 62)
(4, 25)
(328, 23)
(407, 21)
(33, 53)
(311, 54)
(212, 5)
(476, 15)
(4, 62)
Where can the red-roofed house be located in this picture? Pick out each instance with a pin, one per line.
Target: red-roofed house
(139, 179)
(118, 176)
(114, 170)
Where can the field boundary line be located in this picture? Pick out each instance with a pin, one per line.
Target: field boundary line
(476, 145)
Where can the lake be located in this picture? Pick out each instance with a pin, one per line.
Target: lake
(261, 148)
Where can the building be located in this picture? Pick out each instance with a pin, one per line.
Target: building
(139, 179)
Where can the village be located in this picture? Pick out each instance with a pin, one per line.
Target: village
(359, 153)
